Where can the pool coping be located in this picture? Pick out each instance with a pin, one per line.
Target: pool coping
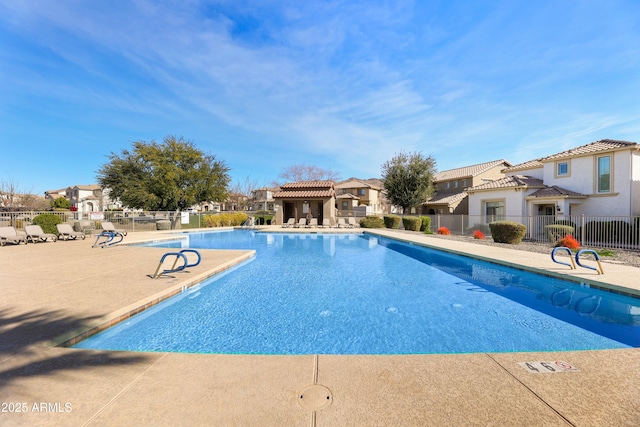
(580, 280)
(73, 337)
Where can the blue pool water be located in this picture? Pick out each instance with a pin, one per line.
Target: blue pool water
(361, 294)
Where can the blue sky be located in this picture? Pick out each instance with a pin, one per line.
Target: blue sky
(343, 85)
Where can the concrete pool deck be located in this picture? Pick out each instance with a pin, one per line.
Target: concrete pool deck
(51, 289)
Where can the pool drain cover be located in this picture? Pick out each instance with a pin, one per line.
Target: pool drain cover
(315, 397)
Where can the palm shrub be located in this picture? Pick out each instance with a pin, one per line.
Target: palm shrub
(392, 221)
(372, 221)
(507, 232)
(411, 223)
(47, 222)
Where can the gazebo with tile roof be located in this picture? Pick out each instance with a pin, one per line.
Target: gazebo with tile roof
(299, 199)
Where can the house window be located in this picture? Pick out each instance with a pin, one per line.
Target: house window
(455, 184)
(494, 210)
(464, 182)
(562, 169)
(447, 185)
(345, 206)
(604, 174)
(360, 191)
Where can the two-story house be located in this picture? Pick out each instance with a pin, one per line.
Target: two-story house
(600, 178)
(262, 199)
(356, 197)
(450, 196)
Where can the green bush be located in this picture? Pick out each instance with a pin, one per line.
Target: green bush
(392, 221)
(411, 223)
(47, 222)
(372, 221)
(60, 203)
(507, 232)
(555, 232)
(426, 224)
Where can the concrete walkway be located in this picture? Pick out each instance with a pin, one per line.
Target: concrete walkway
(49, 290)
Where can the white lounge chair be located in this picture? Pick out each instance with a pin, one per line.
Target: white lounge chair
(302, 222)
(313, 222)
(290, 223)
(108, 226)
(353, 223)
(8, 234)
(341, 223)
(66, 232)
(35, 234)
(326, 222)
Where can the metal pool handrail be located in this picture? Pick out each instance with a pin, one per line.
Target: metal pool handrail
(179, 256)
(553, 257)
(597, 257)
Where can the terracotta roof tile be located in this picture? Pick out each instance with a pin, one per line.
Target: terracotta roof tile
(510, 182)
(304, 194)
(555, 191)
(348, 196)
(357, 183)
(594, 147)
(468, 171)
(445, 198)
(308, 185)
(523, 166)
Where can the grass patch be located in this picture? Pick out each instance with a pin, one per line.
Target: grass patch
(605, 252)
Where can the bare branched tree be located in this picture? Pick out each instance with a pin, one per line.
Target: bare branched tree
(246, 188)
(13, 198)
(304, 172)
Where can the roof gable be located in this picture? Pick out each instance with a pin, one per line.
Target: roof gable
(306, 190)
(583, 150)
(594, 147)
(515, 181)
(357, 183)
(469, 171)
(555, 191)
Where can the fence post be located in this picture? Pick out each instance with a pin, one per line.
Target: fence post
(582, 229)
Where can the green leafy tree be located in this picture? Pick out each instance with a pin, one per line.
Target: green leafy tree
(60, 203)
(407, 179)
(171, 176)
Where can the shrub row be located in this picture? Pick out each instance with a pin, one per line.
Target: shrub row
(225, 219)
(372, 221)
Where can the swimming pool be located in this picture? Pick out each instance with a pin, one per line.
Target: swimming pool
(362, 294)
